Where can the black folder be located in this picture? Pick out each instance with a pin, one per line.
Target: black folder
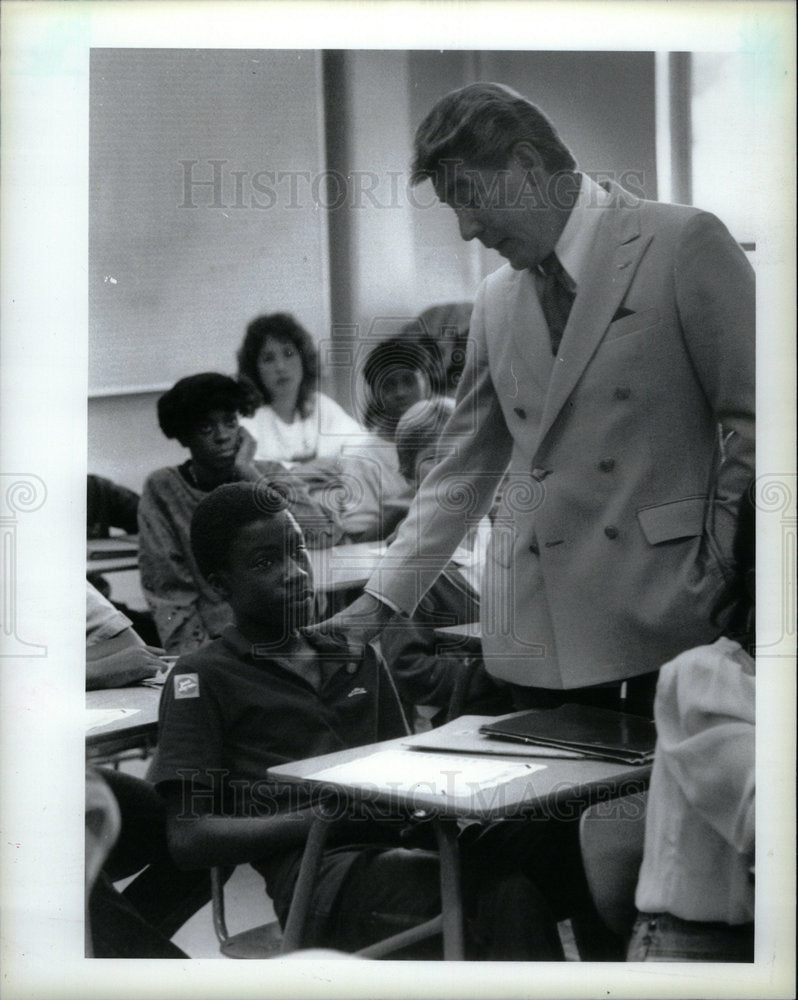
(591, 731)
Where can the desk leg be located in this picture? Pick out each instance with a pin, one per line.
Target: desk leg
(305, 883)
(451, 896)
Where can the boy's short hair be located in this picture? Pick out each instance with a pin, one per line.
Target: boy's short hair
(419, 427)
(192, 398)
(222, 514)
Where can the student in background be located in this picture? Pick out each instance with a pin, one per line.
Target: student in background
(262, 694)
(397, 373)
(426, 671)
(115, 654)
(202, 413)
(447, 325)
(295, 422)
(109, 505)
(695, 893)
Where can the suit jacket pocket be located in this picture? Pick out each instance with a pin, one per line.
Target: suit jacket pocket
(635, 323)
(666, 522)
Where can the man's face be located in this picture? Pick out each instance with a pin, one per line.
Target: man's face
(268, 580)
(513, 210)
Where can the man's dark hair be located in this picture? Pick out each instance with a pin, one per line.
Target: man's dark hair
(222, 514)
(282, 327)
(479, 126)
(191, 399)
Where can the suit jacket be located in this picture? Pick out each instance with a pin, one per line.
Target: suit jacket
(626, 454)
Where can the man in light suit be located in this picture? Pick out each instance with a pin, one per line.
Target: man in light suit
(616, 393)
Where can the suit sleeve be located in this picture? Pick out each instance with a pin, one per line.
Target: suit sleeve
(476, 447)
(715, 295)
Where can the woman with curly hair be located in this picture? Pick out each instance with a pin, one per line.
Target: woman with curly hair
(295, 422)
(202, 413)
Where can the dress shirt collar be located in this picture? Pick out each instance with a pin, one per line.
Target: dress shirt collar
(573, 246)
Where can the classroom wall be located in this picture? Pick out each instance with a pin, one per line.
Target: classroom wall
(384, 252)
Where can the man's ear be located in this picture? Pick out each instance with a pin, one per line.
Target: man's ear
(526, 155)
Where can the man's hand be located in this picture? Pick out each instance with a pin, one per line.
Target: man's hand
(354, 626)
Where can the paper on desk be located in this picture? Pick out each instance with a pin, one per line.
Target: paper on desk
(448, 775)
(96, 717)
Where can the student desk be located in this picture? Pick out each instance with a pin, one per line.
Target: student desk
(538, 785)
(135, 731)
(112, 555)
(345, 567)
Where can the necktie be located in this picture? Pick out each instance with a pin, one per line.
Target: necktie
(556, 298)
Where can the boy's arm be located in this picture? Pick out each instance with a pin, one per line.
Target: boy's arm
(203, 839)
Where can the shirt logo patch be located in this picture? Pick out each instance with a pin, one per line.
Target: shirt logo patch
(186, 686)
(356, 691)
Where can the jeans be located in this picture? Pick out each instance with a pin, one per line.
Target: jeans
(661, 937)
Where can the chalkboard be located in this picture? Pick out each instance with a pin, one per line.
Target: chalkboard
(206, 207)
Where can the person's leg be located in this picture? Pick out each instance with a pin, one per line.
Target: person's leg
(661, 937)
(163, 895)
(546, 851)
(385, 892)
(119, 931)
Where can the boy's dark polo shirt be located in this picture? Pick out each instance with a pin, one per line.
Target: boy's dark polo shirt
(227, 715)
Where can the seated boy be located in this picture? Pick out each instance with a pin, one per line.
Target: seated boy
(261, 695)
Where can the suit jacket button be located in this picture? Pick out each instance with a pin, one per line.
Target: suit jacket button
(622, 392)
(540, 474)
(606, 464)
(611, 531)
(519, 411)
(533, 548)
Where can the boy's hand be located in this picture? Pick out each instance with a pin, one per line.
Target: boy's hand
(124, 667)
(354, 626)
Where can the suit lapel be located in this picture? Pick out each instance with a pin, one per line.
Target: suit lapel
(617, 248)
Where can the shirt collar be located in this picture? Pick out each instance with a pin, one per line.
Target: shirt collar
(573, 246)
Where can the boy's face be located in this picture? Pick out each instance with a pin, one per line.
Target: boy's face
(213, 441)
(399, 388)
(268, 580)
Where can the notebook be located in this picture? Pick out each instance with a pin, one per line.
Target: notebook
(591, 731)
(464, 735)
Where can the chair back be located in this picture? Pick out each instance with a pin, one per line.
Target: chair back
(611, 836)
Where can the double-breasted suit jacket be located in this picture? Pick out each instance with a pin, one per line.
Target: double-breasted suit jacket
(625, 455)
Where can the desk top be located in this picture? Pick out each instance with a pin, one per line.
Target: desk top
(462, 785)
(135, 728)
(111, 555)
